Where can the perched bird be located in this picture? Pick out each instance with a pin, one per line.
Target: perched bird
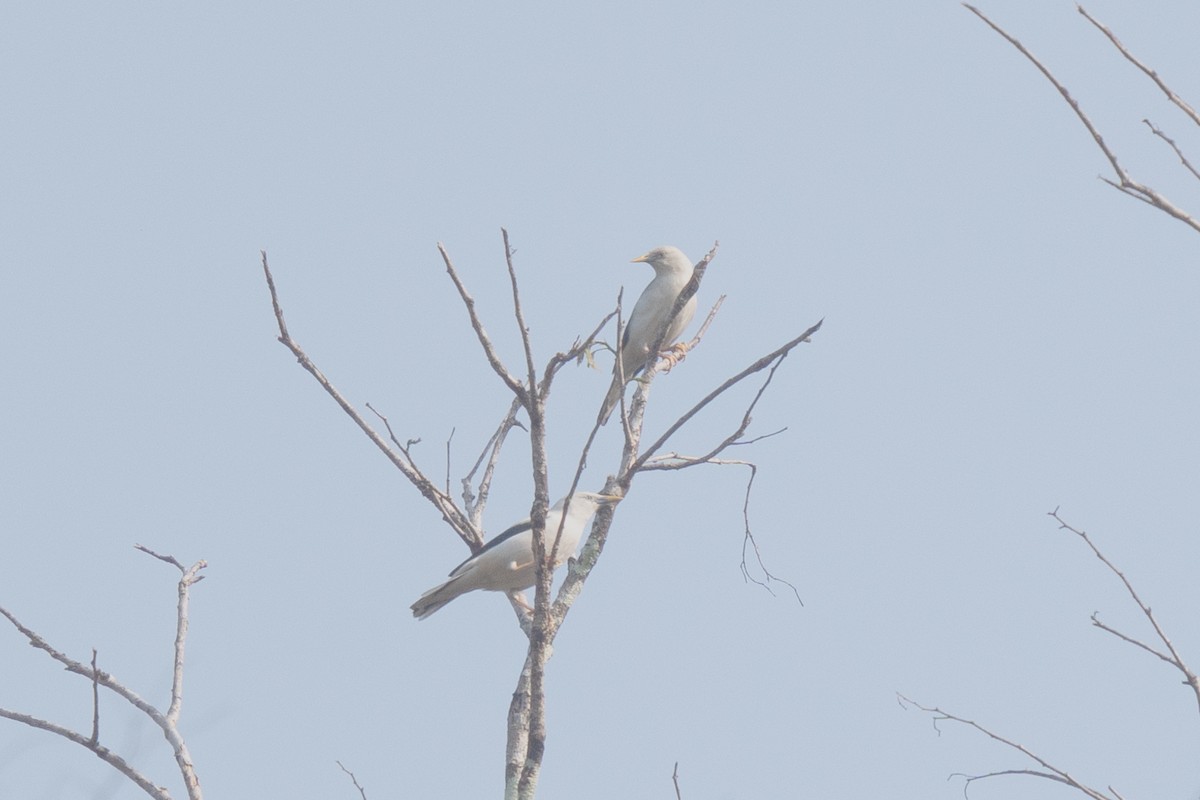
(672, 271)
(506, 563)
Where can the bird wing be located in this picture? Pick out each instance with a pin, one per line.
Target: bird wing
(497, 546)
(654, 304)
(681, 321)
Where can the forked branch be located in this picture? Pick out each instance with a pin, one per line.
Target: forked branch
(1124, 181)
(428, 488)
(770, 360)
(1048, 771)
(1171, 655)
(168, 722)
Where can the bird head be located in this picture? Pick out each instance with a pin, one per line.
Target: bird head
(666, 259)
(590, 501)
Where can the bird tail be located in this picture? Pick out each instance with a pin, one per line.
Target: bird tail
(435, 598)
(612, 399)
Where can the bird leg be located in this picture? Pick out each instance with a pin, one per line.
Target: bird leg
(519, 598)
(673, 355)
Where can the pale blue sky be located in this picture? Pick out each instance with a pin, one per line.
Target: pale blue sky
(1004, 334)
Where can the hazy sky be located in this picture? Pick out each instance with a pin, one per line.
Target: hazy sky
(1003, 334)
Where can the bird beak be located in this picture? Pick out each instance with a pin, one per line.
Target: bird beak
(641, 258)
(610, 499)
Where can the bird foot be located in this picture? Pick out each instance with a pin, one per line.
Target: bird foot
(672, 356)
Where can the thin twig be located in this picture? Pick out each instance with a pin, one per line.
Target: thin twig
(1171, 142)
(703, 329)
(1129, 639)
(675, 780)
(404, 447)
(449, 439)
(626, 423)
(485, 341)
(518, 314)
(577, 350)
(361, 791)
(475, 500)
(1153, 75)
(168, 559)
(749, 537)
(95, 701)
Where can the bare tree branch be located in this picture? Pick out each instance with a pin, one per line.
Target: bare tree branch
(474, 500)
(188, 577)
(95, 738)
(579, 349)
(428, 489)
(168, 722)
(1135, 642)
(485, 341)
(516, 749)
(1174, 98)
(768, 576)
(736, 436)
(1174, 659)
(675, 461)
(759, 365)
(449, 439)
(1124, 183)
(103, 753)
(518, 314)
(1087, 123)
(1051, 772)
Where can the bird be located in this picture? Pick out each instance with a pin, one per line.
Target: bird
(506, 563)
(672, 271)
